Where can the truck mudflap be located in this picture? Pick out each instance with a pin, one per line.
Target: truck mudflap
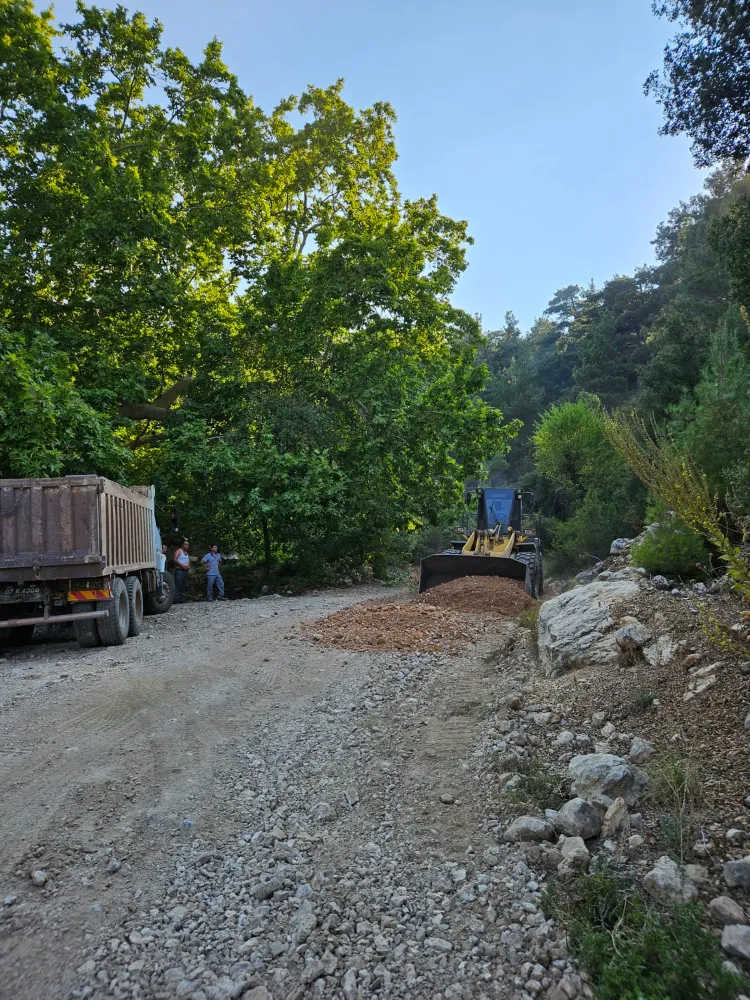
(438, 569)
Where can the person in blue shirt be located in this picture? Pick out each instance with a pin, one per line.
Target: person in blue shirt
(212, 562)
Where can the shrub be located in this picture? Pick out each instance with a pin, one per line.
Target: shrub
(672, 548)
(632, 950)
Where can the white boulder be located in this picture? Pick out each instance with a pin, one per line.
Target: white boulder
(668, 884)
(600, 778)
(577, 628)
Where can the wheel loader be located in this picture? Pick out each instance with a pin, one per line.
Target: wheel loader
(501, 544)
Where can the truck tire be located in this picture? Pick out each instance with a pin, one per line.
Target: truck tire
(19, 636)
(85, 632)
(135, 604)
(157, 603)
(113, 630)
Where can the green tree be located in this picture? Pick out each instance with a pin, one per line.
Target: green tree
(704, 87)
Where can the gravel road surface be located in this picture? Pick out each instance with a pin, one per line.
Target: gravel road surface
(226, 808)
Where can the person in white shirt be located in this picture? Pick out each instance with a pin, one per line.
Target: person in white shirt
(181, 570)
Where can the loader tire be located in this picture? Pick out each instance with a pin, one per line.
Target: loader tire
(85, 632)
(135, 604)
(113, 630)
(532, 574)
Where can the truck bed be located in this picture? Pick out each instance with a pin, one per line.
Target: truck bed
(73, 527)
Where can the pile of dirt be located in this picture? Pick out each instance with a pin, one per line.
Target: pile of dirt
(411, 626)
(481, 595)
(443, 620)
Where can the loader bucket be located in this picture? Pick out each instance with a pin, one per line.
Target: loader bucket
(442, 568)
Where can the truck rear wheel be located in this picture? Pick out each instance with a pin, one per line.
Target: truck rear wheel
(85, 632)
(135, 604)
(113, 630)
(19, 636)
(161, 601)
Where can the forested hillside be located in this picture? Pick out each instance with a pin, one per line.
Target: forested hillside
(669, 342)
(239, 306)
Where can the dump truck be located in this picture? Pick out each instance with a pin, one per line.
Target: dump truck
(502, 543)
(79, 549)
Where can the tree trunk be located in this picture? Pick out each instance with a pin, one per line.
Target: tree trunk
(266, 548)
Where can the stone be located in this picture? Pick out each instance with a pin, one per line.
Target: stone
(257, 993)
(575, 856)
(692, 660)
(635, 842)
(447, 799)
(114, 866)
(350, 985)
(697, 874)
(631, 638)
(737, 874)
(601, 778)
(640, 751)
(735, 940)
(725, 910)
(438, 944)
(615, 818)
(660, 582)
(563, 739)
(661, 652)
(668, 884)
(735, 836)
(39, 878)
(264, 890)
(747, 721)
(577, 818)
(323, 812)
(620, 545)
(305, 921)
(528, 828)
(576, 628)
(609, 730)
(9, 900)
(598, 719)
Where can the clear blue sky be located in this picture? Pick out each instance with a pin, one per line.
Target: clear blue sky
(526, 117)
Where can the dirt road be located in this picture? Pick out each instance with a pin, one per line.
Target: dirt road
(224, 807)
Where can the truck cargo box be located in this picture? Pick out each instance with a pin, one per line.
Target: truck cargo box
(74, 527)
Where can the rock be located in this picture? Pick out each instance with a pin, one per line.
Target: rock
(305, 921)
(724, 910)
(615, 818)
(700, 679)
(576, 628)
(9, 900)
(586, 576)
(577, 818)
(264, 890)
(564, 738)
(620, 545)
(528, 828)
(747, 721)
(668, 884)
(609, 730)
(350, 985)
(257, 993)
(575, 856)
(39, 877)
(635, 842)
(735, 940)
(598, 719)
(660, 582)
(601, 778)
(735, 836)
(737, 874)
(633, 637)
(438, 944)
(661, 652)
(697, 874)
(692, 660)
(323, 812)
(640, 751)
(114, 866)
(447, 799)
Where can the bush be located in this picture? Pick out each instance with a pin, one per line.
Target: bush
(672, 549)
(632, 950)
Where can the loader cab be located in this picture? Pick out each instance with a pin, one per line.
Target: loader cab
(499, 507)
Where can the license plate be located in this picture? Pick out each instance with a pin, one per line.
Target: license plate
(21, 592)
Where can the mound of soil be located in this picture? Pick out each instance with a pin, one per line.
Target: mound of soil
(443, 620)
(481, 595)
(412, 626)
